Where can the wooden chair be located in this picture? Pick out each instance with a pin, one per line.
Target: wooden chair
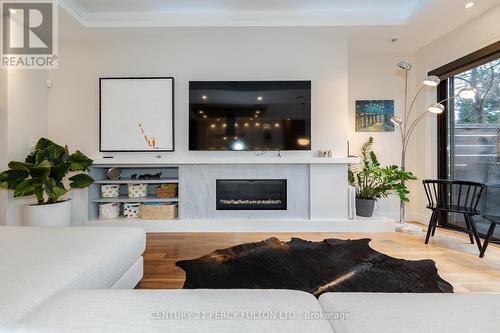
(494, 221)
(452, 196)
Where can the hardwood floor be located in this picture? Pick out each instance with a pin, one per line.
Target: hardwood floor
(457, 260)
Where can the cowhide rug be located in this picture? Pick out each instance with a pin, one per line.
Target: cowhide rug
(315, 267)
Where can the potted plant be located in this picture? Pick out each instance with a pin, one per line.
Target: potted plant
(373, 181)
(42, 174)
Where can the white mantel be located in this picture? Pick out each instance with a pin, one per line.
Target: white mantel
(162, 160)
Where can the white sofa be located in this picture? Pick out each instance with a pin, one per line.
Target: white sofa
(179, 311)
(255, 311)
(37, 263)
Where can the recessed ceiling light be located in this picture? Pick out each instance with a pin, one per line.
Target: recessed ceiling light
(200, 112)
(469, 5)
(259, 98)
(204, 97)
(205, 116)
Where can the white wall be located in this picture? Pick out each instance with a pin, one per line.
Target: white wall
(318, 54)
(3, 142)
(478, 33)
(375, 76)
(26, 120)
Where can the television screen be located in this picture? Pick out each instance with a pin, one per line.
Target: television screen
(250, 115)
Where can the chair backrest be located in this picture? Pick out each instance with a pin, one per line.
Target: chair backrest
(449, 194)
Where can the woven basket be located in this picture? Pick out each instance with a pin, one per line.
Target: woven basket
(166, 191)
(159, 212)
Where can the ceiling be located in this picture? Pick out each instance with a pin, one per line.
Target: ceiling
(369, 23)
(100, 13)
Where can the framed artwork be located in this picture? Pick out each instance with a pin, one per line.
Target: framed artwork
(374, 116)
(136, 114)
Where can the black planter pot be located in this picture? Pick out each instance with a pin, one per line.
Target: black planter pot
(365, 207)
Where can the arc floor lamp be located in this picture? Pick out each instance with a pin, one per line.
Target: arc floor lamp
(407, 125)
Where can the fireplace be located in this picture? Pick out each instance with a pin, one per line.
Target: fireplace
(251, 194)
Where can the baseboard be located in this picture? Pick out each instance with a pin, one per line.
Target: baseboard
(376, 223)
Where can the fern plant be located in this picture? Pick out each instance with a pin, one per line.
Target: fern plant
(373, 181)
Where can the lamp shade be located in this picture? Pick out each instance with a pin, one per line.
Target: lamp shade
(405, 65)
(468, 93)
(432, 81)
(396, 120)
(436, 108)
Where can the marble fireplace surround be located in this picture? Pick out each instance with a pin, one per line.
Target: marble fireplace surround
(198, 188)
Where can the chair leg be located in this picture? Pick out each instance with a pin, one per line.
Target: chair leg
(491, 230)
(469, 229)
(431, 226)
(476, 234)
(435, 225)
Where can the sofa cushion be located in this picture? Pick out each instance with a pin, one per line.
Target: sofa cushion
(400, 313)
(36, 263)
(179, 311)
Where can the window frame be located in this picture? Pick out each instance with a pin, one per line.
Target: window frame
(446, 73)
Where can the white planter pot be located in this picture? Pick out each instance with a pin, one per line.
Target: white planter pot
(53, 215)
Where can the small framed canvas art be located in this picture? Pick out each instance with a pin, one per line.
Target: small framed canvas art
(374, 116)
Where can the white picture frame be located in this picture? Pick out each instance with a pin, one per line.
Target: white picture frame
(136, 114)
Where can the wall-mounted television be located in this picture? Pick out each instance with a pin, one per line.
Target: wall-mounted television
(249, 115)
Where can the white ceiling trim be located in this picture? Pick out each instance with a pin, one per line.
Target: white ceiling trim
(241, 18)
(73, 9)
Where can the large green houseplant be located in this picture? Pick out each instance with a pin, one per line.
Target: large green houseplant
(43, 174)
(373, 181)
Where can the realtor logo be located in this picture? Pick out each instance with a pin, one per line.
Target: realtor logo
(29, 34)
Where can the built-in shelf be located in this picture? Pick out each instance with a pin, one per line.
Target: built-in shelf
(169, 175)
(137, 181)
(122, 198)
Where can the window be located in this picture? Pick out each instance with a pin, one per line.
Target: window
(469, 130)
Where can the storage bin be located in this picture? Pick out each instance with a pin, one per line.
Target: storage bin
(166, 191)
(137, 190)
(109, 210)
(159, 212)
(110, 191)
(132, 210)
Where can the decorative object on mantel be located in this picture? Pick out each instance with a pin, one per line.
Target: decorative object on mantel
(372, 181)
(332, 265)
(325, 153)
(374, 116)
(407, 125)
(42, 175)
